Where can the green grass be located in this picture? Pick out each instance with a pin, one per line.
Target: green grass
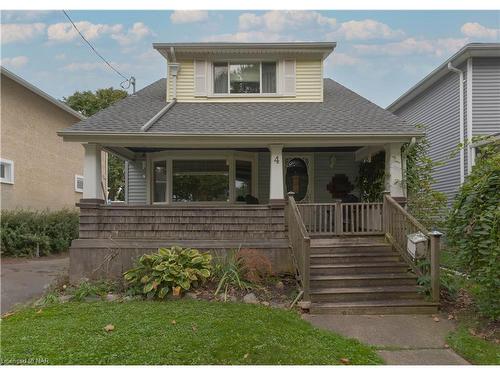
(223, 333)
(474, 349)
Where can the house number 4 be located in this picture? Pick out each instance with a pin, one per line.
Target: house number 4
(277, 159)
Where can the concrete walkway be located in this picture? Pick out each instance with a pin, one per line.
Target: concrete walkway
(399, 339)
(24, 280)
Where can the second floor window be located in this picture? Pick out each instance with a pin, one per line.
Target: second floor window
(244, 78)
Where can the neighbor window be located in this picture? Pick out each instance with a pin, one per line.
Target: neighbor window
(244, 78)
(200, 181)
(78, 183)
(160, 181)
(6, 171)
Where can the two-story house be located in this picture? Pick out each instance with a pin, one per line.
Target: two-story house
(456, 102)
(214, 148)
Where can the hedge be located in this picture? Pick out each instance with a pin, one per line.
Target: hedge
(22, 231)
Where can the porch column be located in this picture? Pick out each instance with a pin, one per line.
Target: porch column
(394, 172)
(276, 186)
(92, 189)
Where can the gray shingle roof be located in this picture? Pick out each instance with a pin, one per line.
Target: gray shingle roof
(342, 111)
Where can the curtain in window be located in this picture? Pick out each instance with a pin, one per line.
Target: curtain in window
(220, 78)
(269, 77)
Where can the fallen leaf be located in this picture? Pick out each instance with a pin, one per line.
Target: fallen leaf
(345, 361)
(109, 327)
(472, 331)
(39, 311)
(6, 315)
(64, 286)
(436, 319)
(497, 341)
(446, 346)
(246, 356)
(173, 322)
(194, 327)
(450, 317)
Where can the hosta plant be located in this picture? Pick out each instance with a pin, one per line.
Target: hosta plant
(168, 270)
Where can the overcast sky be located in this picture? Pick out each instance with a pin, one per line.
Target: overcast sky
(379, 54)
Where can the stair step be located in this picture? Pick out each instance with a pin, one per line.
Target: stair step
(364, 293)
(368, 248)
(378, 279)
(353, 258)
(358, 268)
(410, 306)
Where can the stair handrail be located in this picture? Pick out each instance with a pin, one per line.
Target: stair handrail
(398, 223)
(300, 244)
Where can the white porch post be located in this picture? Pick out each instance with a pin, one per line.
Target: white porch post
(276, 189)
(92, 172)
(394, 170)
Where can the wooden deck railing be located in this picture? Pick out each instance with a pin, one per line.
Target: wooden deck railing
(398, 224)
(342, 218)
(300, 243)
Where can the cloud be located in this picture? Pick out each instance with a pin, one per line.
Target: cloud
(367, 29)
(137, 32)
(65, 32)
(21, 32)
(246, 36)
(24, 15)
(413, 46)
(476, 30)
(93, 66)
(340, 58)
(15, 62)
(60, 56)
(188, 16)
(279, 20)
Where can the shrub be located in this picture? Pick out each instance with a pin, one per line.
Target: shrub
(257, 266)
(23, 231)
(174, 269)
(230, 271)
(474, 230)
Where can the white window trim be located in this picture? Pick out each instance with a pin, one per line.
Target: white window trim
(210, 86)
(229, 156)
(77, 189)
(10, 180)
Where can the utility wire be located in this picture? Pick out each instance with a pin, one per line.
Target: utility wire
(128, 80)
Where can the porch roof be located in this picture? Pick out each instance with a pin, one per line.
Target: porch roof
(342, 112)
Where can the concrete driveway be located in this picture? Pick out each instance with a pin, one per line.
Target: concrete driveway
(24, 280)
(399, 339)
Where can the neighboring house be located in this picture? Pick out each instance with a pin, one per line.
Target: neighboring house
(37, 169)
(457, 101)
(212, 150)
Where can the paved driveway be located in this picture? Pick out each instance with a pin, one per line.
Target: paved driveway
(24, 280)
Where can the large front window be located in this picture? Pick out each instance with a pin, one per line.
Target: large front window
(200, 181)
(244, 78)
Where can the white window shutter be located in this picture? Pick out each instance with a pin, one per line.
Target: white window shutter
(288, 77)
(200, 78)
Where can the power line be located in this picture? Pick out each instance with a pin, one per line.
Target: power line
(130, 81)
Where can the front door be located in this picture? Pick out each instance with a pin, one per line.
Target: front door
(299, 176)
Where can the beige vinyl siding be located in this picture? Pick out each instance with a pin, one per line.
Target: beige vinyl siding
(308, 85)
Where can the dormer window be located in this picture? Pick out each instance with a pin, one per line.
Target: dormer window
(244, 78)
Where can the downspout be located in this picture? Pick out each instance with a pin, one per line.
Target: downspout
(461, 82)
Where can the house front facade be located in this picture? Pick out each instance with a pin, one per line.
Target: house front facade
(37, 169)
(456, 102)
(213, 150)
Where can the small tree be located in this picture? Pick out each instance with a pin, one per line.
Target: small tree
(89, 103)
(474, 230)
(426, 204)
(370, 181)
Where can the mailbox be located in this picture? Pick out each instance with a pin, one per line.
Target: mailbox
(417, 245)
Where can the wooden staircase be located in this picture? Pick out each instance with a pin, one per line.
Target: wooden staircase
(362, 275)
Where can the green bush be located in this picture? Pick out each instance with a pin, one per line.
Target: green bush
(474, 231)
(160, 273)
(22, 231)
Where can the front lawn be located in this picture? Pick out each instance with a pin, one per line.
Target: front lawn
(474, 349)
(175, 332)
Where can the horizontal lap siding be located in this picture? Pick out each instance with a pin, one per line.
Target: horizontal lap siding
(438, 108)
(136, 190)
(485, 96)
(309, 84)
